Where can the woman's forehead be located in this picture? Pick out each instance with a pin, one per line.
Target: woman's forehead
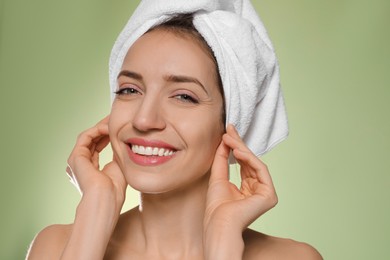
(162, 50)
(173, 43)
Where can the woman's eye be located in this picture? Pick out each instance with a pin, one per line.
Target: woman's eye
(186, 98)
(126, 91)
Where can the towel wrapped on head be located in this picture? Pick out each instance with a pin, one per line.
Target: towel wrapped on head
(246, 61)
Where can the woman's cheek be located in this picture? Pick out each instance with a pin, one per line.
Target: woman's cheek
(117, 121)
(120, 114)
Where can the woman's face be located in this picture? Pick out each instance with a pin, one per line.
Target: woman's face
(165, 122)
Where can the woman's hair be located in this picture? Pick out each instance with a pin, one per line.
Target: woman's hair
(182, 25)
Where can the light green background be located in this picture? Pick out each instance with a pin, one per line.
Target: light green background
(332, 174)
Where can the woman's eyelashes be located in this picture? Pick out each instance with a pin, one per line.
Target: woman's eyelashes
(127, 91)
(186, 98)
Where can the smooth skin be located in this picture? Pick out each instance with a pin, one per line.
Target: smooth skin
(188, 208)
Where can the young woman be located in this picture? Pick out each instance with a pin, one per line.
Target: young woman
(168, 135)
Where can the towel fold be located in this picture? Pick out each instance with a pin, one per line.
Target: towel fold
(246, 60)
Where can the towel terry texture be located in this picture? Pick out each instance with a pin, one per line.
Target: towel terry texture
(246, 60)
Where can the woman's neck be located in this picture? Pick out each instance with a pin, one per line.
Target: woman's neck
(173, 221)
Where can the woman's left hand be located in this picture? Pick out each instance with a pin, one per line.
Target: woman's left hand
(230, 210)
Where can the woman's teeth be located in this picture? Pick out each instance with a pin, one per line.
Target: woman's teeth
(139, 149)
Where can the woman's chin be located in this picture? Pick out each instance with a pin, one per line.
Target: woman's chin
(147, 184)
(150, 185)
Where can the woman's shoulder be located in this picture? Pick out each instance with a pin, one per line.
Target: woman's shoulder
(49, 242)
(259, 245)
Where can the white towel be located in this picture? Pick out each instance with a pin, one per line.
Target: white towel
(246, 59)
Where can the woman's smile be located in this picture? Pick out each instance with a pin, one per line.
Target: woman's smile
(149, 152)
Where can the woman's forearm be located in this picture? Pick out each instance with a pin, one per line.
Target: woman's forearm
(96, 217)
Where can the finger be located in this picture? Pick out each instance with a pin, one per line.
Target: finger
(233, 140)
(88, 145)
(102, 127)
(245, 170)
(220, 167)
(98, 147)
(238, 145)
(98, 144)
(253, 166)
(95, 160)
(104, 120)
(245, 156)
(87, 142)
(92, 135)
(103, 142)
(232, 131)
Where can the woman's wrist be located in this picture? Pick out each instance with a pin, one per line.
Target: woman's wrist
(99, 207)
(96, 218)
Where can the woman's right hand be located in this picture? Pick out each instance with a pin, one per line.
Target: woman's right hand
(83, 165)
(103, 194)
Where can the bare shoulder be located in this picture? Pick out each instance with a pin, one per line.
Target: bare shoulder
(49, 242)
(261, 246)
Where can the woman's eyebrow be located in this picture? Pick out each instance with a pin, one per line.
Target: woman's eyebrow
(169, 78)
(130, 74)
(180, 79)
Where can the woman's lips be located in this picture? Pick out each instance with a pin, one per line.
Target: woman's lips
(149, 152)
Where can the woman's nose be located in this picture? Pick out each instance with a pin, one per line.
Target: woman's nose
(149, 116)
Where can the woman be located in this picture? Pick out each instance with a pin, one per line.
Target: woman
(167, 132)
